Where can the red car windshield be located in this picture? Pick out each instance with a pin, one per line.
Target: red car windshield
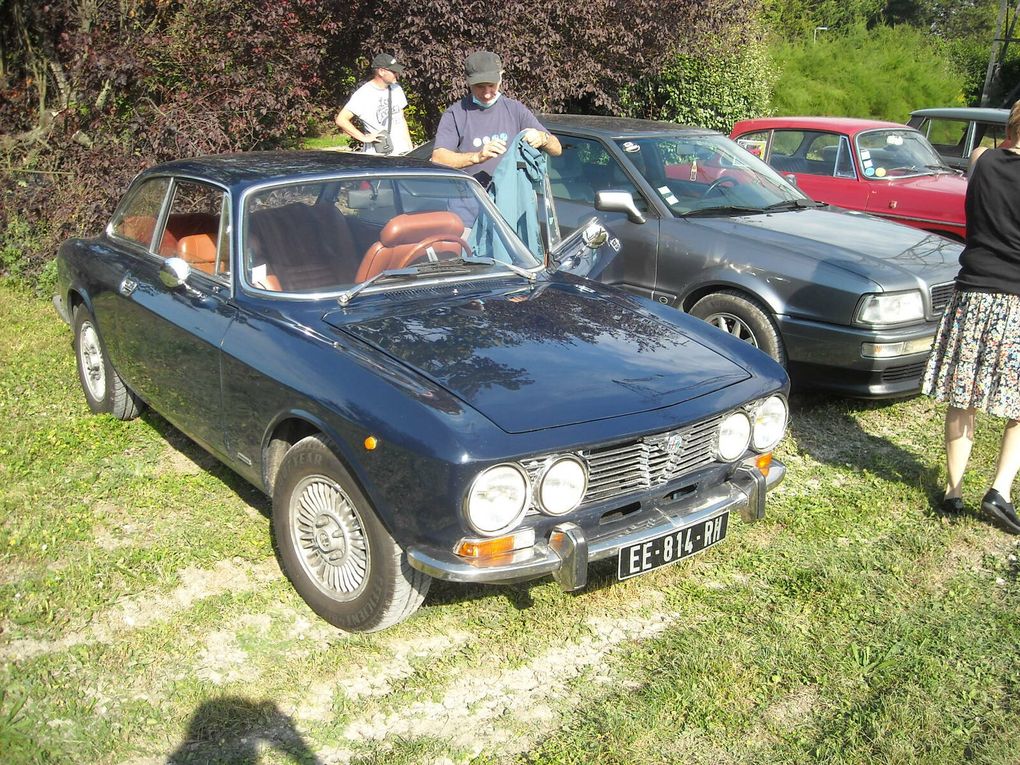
(891, 153)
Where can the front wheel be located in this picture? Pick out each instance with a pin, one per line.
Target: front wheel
(332, 547)
(743, 318)
(104, 390)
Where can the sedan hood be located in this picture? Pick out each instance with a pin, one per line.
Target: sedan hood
(879, 251)
(559, 354)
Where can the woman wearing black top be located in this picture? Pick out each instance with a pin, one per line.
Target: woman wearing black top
(975, 362)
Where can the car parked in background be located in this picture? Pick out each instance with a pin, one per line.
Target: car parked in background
(956, 131)
(420, 402)
(848, 302)
(881, 168)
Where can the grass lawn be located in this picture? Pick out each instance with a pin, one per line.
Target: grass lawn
(143, 618)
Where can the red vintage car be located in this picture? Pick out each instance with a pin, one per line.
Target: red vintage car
(881, 168)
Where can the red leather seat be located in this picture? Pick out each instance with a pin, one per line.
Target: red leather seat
(407, 237)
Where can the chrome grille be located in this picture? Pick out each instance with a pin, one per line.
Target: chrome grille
(940, 297)
(649, 461)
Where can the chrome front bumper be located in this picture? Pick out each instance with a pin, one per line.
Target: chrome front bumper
(568, 551)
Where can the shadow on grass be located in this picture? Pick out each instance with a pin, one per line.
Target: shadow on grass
(208, 463)
(826, 429)
(238, 730)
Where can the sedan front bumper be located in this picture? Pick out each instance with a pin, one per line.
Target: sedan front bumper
(569, 550)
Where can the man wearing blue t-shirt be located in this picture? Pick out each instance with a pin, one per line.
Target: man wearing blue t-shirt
(474, 132)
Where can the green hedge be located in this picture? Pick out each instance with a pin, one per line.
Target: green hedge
(881, 73)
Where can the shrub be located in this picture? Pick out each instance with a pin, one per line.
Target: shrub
(881, 73)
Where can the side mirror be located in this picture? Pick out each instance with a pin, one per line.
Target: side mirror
(585, 250)
(174, 272)
(790, 178)
(618, 201)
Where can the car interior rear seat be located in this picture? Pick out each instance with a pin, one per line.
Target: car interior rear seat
(199, 250)
(305, 247)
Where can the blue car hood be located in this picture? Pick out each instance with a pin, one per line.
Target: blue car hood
(860, 244)
(557, 355)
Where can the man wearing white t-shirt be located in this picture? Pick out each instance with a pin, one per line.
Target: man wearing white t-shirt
(379, 105)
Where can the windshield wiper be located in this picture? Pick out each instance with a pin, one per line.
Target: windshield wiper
(793, 204)
(529, 275)
(722, 210)
(398, 273)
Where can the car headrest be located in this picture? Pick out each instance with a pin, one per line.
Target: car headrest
(412, 228)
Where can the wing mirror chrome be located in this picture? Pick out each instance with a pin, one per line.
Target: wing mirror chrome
(175, 273)
(618, 201)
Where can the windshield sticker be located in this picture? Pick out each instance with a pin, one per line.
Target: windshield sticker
(867, 163)
(258, 274)
(865, 154)
(869, 171)
(667, 194)
(880, 172)
(630, 146)
(894, 140)
(615, 244)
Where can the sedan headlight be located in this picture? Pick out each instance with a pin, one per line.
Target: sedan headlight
(497, 500)
(561, 485)
(734, 436)
(768, 423)
(891, 308)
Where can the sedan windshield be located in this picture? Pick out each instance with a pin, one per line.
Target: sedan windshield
(894, 153)
(708, 174)
(328, 235)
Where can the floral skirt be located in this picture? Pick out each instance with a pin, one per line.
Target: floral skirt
(975, 361)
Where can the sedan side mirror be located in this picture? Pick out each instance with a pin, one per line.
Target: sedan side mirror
(618, 201)
(175, 272)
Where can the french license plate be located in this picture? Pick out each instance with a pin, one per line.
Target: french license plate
(642, 557)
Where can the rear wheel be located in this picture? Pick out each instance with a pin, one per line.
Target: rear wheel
(333, 548)
(104, 390)
(744, 318)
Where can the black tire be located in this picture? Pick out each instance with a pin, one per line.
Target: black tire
(332, 547)
(744, 318)
(104, 389)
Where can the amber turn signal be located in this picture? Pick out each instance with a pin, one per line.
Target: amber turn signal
(487, 548)
(371, 442)
(763, 462)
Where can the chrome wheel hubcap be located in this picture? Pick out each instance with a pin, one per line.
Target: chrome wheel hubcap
(727, 322)
(329, 537)
(91, 355)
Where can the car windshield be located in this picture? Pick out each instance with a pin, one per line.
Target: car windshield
(895, 153)
(329, 235)
(708, 174)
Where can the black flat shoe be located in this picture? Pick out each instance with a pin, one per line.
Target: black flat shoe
(1001, 510)
(951, 506)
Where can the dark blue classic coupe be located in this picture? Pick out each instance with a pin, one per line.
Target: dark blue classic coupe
(368, 342)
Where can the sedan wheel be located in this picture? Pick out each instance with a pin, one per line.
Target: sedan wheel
(104, 390)
(338, 555)
(743, 318)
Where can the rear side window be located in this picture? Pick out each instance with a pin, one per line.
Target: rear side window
(136, 218)
(196, 228)
(948, 136)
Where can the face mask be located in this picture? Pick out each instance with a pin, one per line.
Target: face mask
(489, 105)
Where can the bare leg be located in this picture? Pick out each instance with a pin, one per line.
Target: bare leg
(1009, 460)
(959, 440)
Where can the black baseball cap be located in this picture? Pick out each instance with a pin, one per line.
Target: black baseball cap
(483, 66)
(386, 61)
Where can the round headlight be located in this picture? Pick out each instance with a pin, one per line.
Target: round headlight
(769, 424)
(562, 485)
(497, 500)
(734, 436)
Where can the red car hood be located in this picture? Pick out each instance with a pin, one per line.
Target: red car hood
(937, 197)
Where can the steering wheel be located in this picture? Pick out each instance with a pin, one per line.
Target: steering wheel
(721, 182)
(418, 250)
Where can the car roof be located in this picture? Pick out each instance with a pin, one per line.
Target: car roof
(247, 168)
(979, 114)
(617, 127)
(837, 124)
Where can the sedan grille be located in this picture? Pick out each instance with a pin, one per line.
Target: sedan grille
(649, 461)
(941, 294)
